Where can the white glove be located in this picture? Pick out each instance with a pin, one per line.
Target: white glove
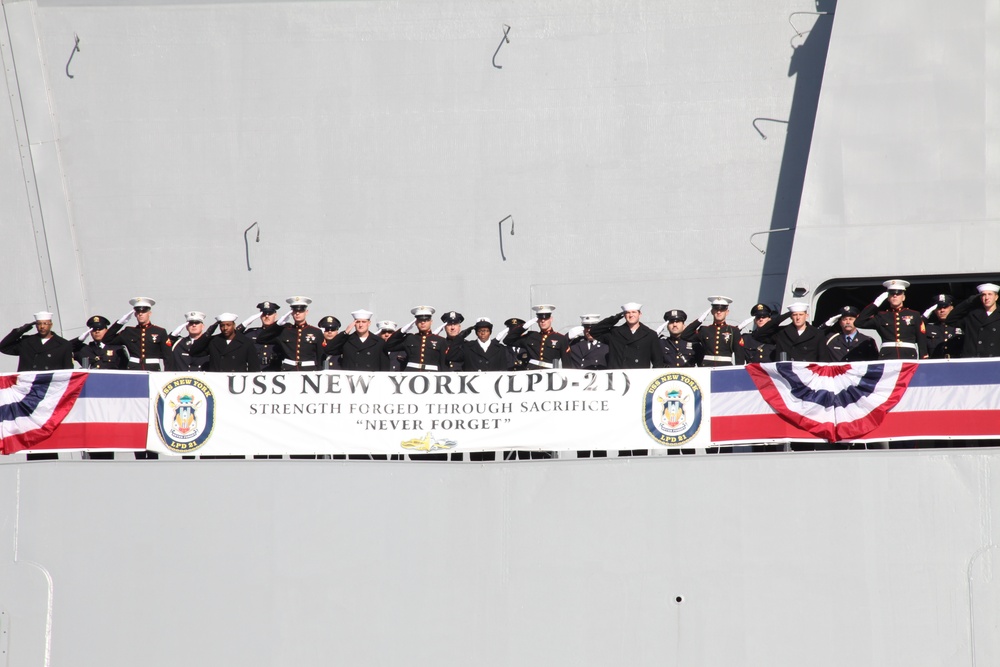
(82, 337)
(126, 317)
(286, 318)
(248, 320)
(659, 329)
(575, 332)
(532, 323)
(706, 317)
(437, 332)
(409, 326)
(880, 299)
(747, 322)
(927, 313)
(179, 329)
(832, 320)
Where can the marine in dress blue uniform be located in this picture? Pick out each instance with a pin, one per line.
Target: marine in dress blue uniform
(901, 329)
(299, 343)
(425, 351)
(721, 342)
(147, 345)
(546, 348)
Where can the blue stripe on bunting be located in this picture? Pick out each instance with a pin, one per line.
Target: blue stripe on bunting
(124, 385)
(847, 396)
(27, 405)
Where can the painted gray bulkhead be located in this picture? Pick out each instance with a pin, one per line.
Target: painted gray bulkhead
(878, 558)
(378, 148)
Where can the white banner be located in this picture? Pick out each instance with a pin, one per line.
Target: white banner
(409, 413)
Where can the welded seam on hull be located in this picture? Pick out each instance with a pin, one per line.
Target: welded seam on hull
(48, 577)
(986, 528)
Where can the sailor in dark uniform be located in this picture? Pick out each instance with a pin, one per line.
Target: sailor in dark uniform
(633, 344)
(901, 329)
(181, 346)
(146, 344)
(483, 353)
(299, 343)
(721, 343)
(518, 355)
(330, 326)
(425, 351)
(397, 359)
(41, 351)
(546, 347)
(843, 341)
(798, 341)
(679, 352)
(944, 341)
(455, 336)
(360, 349)
(979, 317)
(97, 354)
(270, 360)
(229, 351)
(757, 351)
(585, 351)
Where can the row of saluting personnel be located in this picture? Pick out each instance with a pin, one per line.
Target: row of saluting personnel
(969, 329)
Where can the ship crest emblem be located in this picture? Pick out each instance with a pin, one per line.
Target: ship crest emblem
(185, 414)
(672, 409)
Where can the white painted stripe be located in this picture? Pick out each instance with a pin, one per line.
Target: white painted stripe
(43, 411)
(916, 399)
(109, 410)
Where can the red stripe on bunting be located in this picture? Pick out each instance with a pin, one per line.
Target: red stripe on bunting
(89, 436)
(831, 432)
(19, 441)
(928, 424)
